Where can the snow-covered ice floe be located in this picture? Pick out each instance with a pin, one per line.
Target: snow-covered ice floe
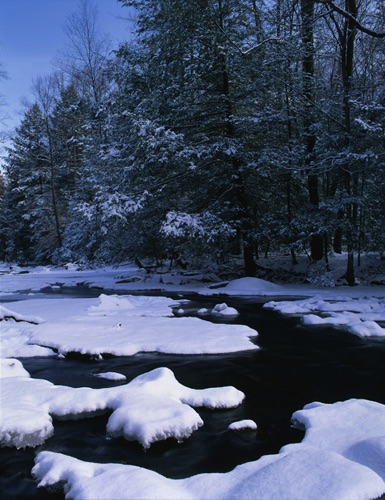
(117, 325)
(130, 336)
(358, 316)
(242, 425)
(224, 310)
(152, 407)
(15, 335)
(342, 457)
(114, 376)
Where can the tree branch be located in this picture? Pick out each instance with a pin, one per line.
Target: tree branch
(350, 17)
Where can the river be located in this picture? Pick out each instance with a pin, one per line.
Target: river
(295, 366)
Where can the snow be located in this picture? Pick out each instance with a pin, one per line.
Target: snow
(224, 310)
(116, 377)
(130, 336)
(128, 277)
(7, 314)
(12, 368)
(247, 286)
(242, 425)
(110, 305)
(117, 325)
(359, 316)
(342, 456)
(152, 407)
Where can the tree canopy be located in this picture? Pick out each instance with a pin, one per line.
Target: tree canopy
(225, 128)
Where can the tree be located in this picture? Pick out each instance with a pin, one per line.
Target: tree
(27, 216)
(3, 103)
(354, 154)
(45, 89)
(85, 57)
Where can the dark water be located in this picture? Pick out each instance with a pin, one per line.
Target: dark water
(295, 366)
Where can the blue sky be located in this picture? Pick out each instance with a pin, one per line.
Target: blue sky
(31, 35)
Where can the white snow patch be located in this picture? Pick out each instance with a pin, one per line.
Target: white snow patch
(342, 456)
(133, 306)
(224, 310)
(246, 286)
(12, 368)
(167, 335)
(116, 377)
(15, 335)
(121, 326)
(8, 315)
(242, 425)
(358, 316)
(152, 407)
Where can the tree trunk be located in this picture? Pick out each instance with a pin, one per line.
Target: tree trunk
(347, 64)
(53, 188)
(245, 217)
(307, 13)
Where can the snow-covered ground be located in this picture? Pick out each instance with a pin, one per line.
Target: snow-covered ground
(129, 278)
(342, 455)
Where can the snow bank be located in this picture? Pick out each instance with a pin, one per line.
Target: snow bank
(358, 316)
(132, 335)
(341, 457)
(246, 286)
(8, 315)
(354, 429)
(152, 407)
(12, 368)
(121, 326)
(15, 335)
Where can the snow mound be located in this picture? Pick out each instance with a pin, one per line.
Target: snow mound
(133, 306)
(250, 286)
(116, 377)
(366, 329)
(242, 425)
(12, 368)
(338, 426)
(152, 407)
(224, 310)
(358, 316)
(342, 456)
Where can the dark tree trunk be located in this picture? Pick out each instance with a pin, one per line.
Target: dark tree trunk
(307, 13)
(248, 257)
(347, 63)
(245, 213)
(337, 242)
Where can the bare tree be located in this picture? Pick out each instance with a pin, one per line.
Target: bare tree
(3, 103)
(86, 52)
(45, 90)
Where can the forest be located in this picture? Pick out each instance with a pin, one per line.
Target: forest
(223, 129)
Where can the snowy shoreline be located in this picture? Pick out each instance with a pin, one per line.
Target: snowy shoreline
(343, 442)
